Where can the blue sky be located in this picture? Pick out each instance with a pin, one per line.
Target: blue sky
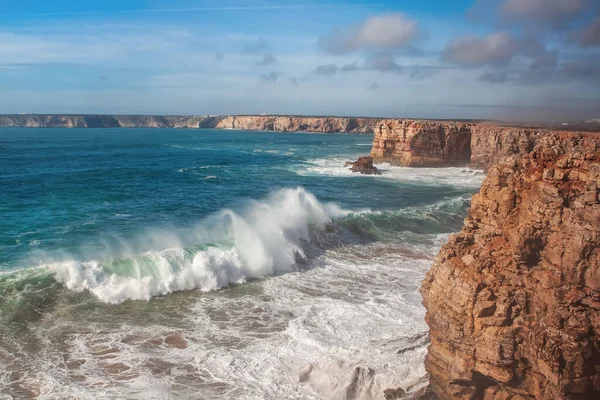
(509, 59)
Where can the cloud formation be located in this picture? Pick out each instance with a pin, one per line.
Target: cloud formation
(495, 49)
(271, 77)
(553, 12)
(350, 67)
(588, 36)
(268, 59)
(383, 62)
(262, 46)
(326, 70)
(494, 77)
(581, 69)
(386, 32)
(421, 73)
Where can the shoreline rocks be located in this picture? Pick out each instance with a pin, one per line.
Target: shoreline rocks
(364, 166)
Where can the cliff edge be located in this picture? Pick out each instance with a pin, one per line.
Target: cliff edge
(513, 300)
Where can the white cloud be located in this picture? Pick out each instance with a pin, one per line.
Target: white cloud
(386, 32)
(495, 49)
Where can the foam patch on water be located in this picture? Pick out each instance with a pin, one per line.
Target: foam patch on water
(304, 335)
(454, 176)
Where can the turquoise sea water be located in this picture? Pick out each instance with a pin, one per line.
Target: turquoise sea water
(212, 264)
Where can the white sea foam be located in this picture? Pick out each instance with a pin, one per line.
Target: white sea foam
(455, 176)
(294, 336)
(263, 240)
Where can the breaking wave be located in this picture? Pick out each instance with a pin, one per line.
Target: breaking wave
(266, 238)
(227, 248)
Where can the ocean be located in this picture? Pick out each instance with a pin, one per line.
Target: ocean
(204, 264)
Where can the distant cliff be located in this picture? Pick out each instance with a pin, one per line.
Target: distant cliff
(299, 124)
(106, 121)
(250, 123)
(513, 301)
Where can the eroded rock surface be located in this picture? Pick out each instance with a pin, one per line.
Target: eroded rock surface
(491, 143)
(414, 143)
(513, 301)
(298, 124)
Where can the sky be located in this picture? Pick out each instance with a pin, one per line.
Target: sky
(488, 59)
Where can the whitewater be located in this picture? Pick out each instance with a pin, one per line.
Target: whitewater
(163, 264)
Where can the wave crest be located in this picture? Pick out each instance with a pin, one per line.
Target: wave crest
(262, 240)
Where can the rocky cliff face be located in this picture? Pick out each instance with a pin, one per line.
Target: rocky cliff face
(106, 121)
(298, 124)
(513, 301)
(491, 143)
(422, 143)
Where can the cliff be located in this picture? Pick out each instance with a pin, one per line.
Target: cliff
(250, 123)
(415, 143)
(298, 124)
(422, 143)
(105, 121)
(492, 143)
(513, 300)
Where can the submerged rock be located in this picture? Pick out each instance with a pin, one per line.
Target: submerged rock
(363, 165)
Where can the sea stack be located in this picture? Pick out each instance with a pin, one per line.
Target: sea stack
(364, 165)
(513, 300)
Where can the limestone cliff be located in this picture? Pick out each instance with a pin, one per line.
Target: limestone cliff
(422, 143)
(491, 143)
(513, 301)
(298, 124)
(105, 121)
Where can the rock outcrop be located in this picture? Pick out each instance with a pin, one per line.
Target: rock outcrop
(422, 143)
(298, 124)
(363, 165)
(513, 301)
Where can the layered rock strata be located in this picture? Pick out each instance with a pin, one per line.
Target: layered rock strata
(513, 300)
(106, 121)
(492, 143)
(298, 124)
(422, 143)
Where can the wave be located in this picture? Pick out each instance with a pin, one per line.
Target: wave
(262, 240)
(269, 237)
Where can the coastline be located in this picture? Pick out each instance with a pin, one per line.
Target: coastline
(279, 123)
